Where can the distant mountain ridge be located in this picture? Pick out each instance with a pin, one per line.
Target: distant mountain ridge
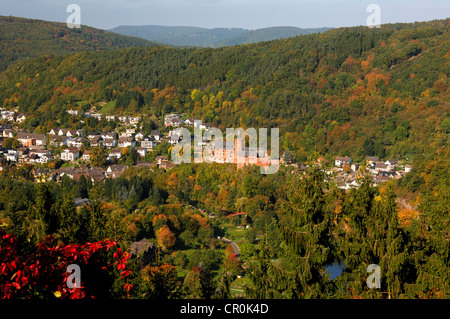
(214, 38)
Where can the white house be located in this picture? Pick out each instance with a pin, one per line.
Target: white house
(141, 151)
(205, 126)
(44, 159)
(12, 155)
(58, 140)
(20, 118)
(93, 135)
(117, 153)
(97, 141)
(156, 134)
(106, 135)
(39, 158)
(161, 160)
(148, 143)
(171, 118)
(339, 161)
(126, 142)
(61, 132)
(114, 171)
(192, 122)
(77, 142)
(139, 136)
(98, 116)
(381, 167)
(110, 142)
(393, 163)
(71, 133)
(173, 139)
(134, 119)
(70, 154)
(372, 159)
(40, 152)
(86, 156)
(129, 132)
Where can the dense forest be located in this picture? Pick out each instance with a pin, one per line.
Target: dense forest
(349, 91)
(22, 39)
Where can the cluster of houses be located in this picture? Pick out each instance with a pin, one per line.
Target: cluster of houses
(382, 171)
(125, 119)
(76, 144)
(113, 141)
(227, 152)
(12, 116)
(33, 148)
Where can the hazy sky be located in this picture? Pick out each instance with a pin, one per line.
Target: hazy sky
(250, 14)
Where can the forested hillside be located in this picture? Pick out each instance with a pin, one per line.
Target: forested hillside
(22, 38)
(350, 91)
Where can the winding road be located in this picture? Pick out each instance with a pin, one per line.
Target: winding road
(233, 244)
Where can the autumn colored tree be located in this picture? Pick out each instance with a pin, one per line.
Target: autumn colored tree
(43, 274)
(232, 265)
(98, 156)
(165, 237)
(229, 250)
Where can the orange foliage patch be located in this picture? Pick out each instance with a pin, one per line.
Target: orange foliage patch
(406, 216)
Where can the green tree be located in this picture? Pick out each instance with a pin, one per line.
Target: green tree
(198, 284)
(368, 147)
(188, 238)
(11, 142)
(401, 133)
(44, 208)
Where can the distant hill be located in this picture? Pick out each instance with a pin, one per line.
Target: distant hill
(217, 37)
(22, 38)
(268, 34)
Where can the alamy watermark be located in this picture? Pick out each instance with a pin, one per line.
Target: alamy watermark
(212, 147)
(374, 280)
(74, 279)
(74, 20)
(374, 20)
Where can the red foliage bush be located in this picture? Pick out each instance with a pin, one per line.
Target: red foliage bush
(45, 272)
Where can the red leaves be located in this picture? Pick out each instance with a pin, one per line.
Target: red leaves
(47, 268)
(23, 280)
(125, 273)
(127, 287)
(9, 238)
(109, 244)
(121, 266)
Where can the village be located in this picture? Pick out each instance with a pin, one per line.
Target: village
(347, 174)
(73, 148)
